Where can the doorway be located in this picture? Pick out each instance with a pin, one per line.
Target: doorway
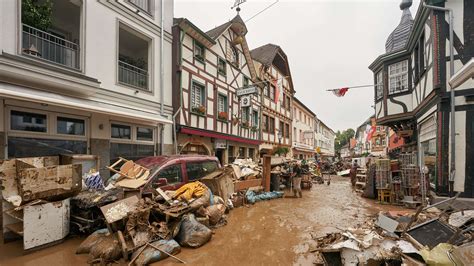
(220, 155)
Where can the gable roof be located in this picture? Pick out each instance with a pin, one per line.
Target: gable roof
(217, 31)
(266, 55)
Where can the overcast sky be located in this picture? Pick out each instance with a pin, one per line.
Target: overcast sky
(329, 44)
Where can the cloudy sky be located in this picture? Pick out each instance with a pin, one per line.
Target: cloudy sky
(329, 43)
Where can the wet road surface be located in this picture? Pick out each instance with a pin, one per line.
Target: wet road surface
(276, 232)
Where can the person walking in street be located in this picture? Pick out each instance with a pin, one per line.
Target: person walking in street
(353, 173)
(297, 172)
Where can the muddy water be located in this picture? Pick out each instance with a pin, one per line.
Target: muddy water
(277, 232)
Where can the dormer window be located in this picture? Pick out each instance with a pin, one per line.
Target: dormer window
(398, 77)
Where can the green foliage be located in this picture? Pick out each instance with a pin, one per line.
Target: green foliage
(342, 138)
(37, 15)
(281, 150)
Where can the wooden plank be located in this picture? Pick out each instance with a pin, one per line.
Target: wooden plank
(130, 202)
(8, 178)
(246, 184)
(163, 194)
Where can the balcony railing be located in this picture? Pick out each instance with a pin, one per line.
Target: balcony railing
(144, 5)
(132, 75)
(49, 47)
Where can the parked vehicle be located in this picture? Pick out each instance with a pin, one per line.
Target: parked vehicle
(172, 172)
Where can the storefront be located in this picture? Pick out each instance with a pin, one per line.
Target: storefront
(303, 151)
(427, 146)
(225, 147)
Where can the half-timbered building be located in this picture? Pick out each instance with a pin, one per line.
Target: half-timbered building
(210, 68)
(412, 92)
(271, 64)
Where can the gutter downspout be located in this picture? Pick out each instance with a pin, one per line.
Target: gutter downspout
(453, 102)
(175, 138)
(162, 73)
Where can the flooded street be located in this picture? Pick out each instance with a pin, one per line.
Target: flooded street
(276, 232)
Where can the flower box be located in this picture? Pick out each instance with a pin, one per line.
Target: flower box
(200, 110)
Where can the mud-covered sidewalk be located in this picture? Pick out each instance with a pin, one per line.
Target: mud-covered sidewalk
(277, 232)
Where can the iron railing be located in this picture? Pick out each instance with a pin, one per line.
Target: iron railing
(144, 5)
(49, 47)
(132, 75)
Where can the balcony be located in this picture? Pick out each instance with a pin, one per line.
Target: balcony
(49, 47)
(132, 76)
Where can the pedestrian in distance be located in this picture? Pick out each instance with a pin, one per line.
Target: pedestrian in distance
(297, 172)
(353, 173)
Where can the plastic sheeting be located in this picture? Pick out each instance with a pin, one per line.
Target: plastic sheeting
(252, 197)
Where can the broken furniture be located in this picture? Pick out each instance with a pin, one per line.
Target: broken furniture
(383, 180)
(220, 182)
(131, 175)
(118, 210)
(88, 162)
(28, 185)
(38, 223)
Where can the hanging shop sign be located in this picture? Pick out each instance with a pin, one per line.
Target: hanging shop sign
(247, 91)
(220, 144)
(245, 101)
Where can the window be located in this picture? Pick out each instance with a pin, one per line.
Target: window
(144, 5)
(242, 152)
(282, 128)
(272, 92)
(121, 131)
(295, 135)
(419, 58)
(145, 133)
(32, 147)
(199, 51)
(255, 118)
(287, 103)
(26, 121)
(133, 58)
(245, 114)
(271, 125)
(221, 66)
(251, 153)
(398, 77)
(379, 85)
(221, 103)
(70, 126)
(231, 154)
(172, 174)
(266, 91)
(197, 96)
(265, 123)
(246, 81)
(234, 56)
(287, 130)
(198, 170)
(383, 141)
(130, 151)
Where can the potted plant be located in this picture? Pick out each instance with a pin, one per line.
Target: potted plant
(223, 116)
(281, 150)
(37, 15)
(199, 110)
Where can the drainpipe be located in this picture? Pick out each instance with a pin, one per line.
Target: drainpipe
(162, 72)
(175, 138)
(453, 102)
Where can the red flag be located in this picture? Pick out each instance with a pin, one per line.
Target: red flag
(371, 132)
(277, 90)
(340, 92)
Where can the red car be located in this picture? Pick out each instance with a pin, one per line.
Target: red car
(172, 172)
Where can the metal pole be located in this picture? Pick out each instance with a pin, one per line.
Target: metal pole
(453, 102)
(162, 71)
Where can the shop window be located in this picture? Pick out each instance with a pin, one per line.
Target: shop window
(130, 151)
(242, 152)
(251, 153)
(32, 147)
(26, 121)
(144, 133)
(172, 174)
(70, 126)
(231, 154)
(121, 131)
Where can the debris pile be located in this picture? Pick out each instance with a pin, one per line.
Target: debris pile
(429, 235)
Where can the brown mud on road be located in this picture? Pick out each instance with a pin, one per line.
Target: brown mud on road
(276, 232)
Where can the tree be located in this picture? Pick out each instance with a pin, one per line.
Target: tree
(342, 138)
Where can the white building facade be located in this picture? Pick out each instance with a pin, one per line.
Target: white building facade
(303, 131)
(96, 80)
(324, 139)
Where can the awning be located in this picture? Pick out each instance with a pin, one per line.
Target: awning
(304, 150)
(211, 134)
(26, 94)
